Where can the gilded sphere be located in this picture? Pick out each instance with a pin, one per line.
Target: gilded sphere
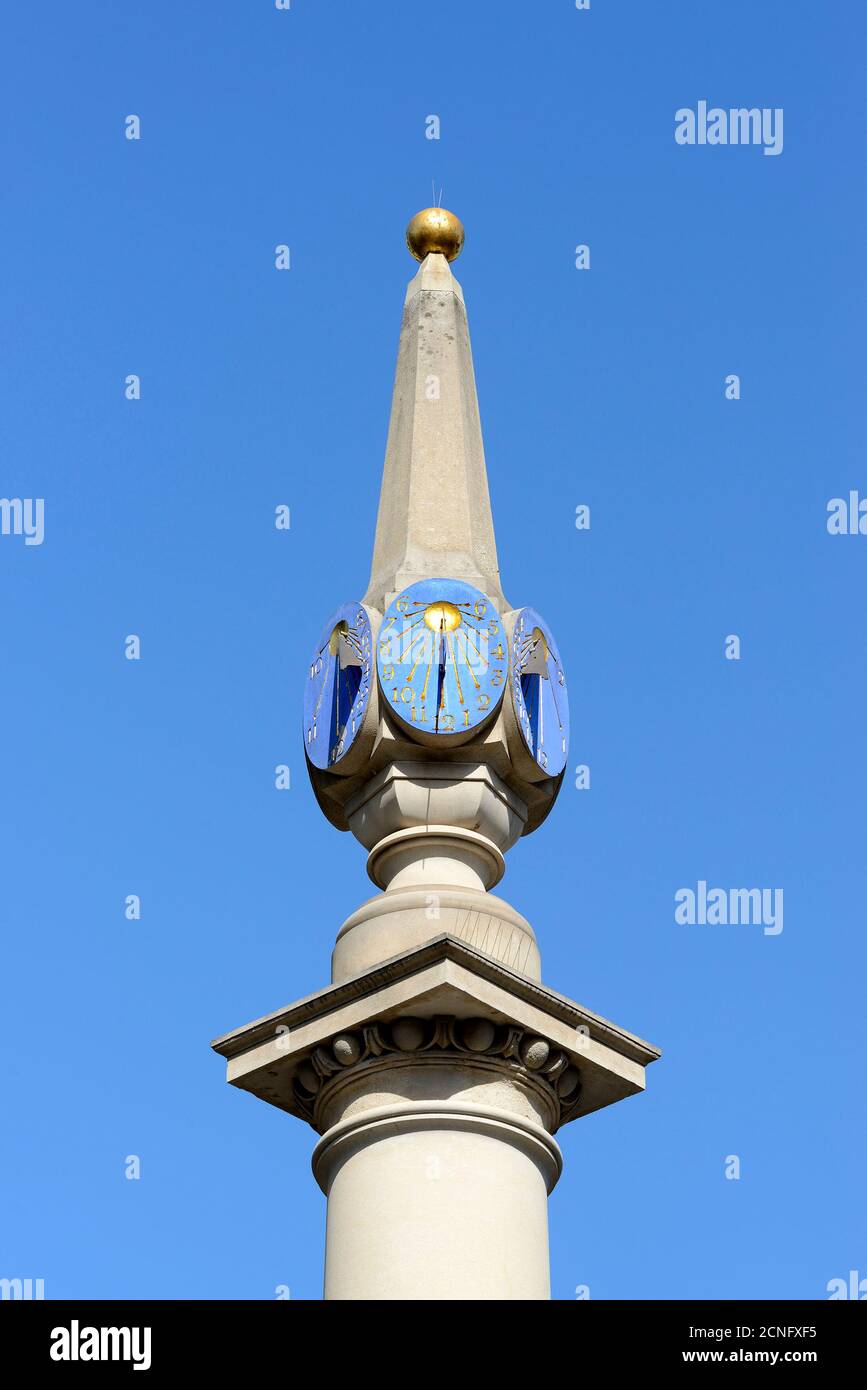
(434, 229)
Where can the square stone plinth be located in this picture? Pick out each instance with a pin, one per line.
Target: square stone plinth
(443, 977)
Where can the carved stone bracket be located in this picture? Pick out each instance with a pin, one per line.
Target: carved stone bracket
(525, 1055)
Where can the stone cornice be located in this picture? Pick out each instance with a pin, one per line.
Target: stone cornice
(439, 948)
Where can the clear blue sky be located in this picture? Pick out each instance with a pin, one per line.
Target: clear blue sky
(260, 387)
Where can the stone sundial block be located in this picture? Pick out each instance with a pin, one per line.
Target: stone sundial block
(442, 660)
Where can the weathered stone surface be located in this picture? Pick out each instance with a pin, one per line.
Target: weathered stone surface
(434, 508)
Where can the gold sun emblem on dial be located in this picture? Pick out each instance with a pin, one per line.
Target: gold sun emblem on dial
(442, 616)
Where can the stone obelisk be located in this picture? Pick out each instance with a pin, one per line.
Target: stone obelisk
(436, 1067)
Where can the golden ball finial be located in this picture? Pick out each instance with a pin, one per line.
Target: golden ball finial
(434, 229)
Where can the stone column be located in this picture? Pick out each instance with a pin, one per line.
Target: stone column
(437, 1166)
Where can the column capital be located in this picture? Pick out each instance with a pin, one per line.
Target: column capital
(440, 1005)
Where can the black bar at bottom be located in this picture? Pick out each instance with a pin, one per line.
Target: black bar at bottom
(67, 1337)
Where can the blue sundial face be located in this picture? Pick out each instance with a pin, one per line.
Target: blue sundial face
(337, 689)
(442, 657)
(539, 692)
